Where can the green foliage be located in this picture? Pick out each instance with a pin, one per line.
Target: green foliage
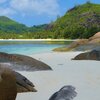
(81, 21)
(9, 26)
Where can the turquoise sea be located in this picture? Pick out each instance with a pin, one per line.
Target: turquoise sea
(30, 47)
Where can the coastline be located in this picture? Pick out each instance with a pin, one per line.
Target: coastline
(38, 39)
(84, 75)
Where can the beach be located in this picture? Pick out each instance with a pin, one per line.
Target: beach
(83, 75)
(42, 47)
(38, 40)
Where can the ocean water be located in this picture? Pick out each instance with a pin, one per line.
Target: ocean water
(30, 47)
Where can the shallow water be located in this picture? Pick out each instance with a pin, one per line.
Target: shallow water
(30, 47)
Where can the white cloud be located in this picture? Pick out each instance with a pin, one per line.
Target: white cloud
(29, 7)
(50, 7)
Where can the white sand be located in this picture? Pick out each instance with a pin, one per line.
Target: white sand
(38, 39)
(84, 75)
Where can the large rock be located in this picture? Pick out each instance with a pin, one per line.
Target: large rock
(95, 39)
(22, 62)
(22, 84)
(65, 93)
(8, 89)
(92, 55)
(78, 44)
(96, 36)
(72, 45)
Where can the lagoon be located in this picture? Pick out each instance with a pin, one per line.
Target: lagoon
(30, 47)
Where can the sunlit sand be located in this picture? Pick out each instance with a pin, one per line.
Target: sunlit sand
(84, 75)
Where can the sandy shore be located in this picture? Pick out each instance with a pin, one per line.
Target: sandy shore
(84, 75)
(37, 40)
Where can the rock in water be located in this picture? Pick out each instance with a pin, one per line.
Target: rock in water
(92, 55)
(8, 88)
(22, 62)
(65, 93)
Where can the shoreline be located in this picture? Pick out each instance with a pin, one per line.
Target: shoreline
(38, 39)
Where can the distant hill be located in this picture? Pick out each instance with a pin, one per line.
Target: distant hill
(81, 21)
(10, 26)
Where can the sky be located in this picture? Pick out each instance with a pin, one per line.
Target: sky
(37, 12)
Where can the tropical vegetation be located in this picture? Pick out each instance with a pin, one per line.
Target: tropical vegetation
(81, 21)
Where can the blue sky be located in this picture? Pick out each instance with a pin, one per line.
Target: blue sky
(36, 12)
